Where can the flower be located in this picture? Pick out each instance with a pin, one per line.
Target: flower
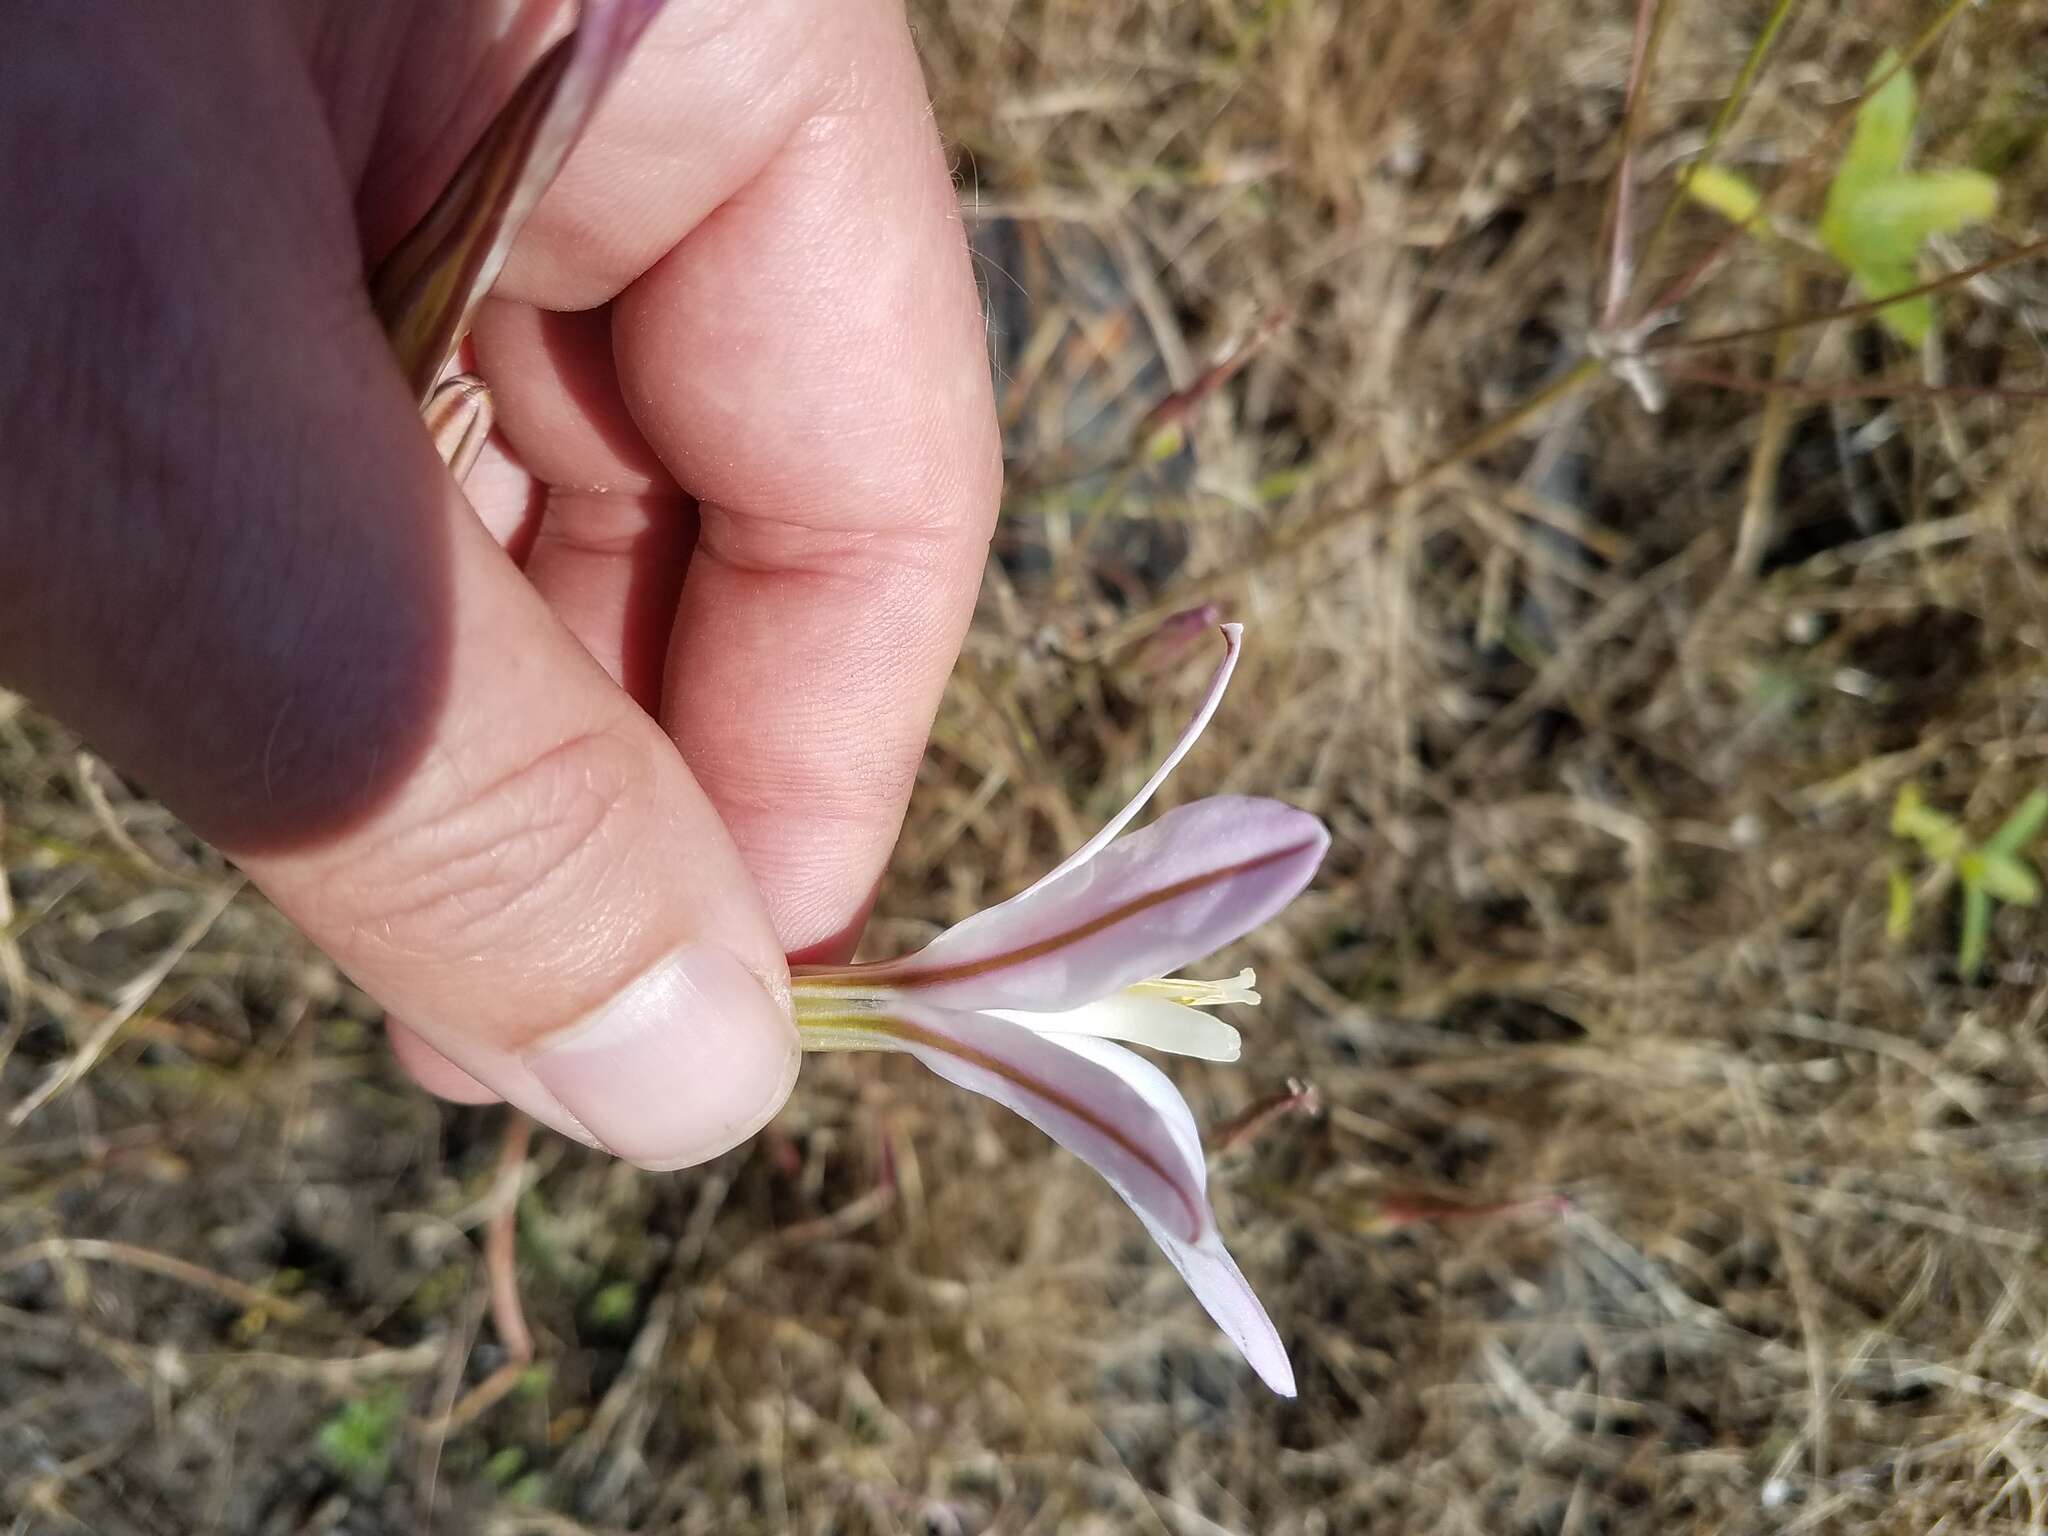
(427, 290)
(1023, 1002)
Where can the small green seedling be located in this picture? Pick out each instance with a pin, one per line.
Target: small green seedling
(612, 1308)
(360, 1438)
(1989, 872)
(1878, 214)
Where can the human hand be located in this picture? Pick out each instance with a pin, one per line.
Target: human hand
(746, 431)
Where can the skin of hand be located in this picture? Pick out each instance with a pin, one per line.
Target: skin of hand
(565, 819)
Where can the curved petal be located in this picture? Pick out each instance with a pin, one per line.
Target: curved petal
(1219, 1285)
(1233, 642)
(1157, 1023)
(1198, 877)
(1110, 1117)
(1125, 1119)
(427, 289)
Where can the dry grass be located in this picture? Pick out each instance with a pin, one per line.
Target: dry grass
(1606, 719)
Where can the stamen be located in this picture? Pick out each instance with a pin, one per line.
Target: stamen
(1193, 992)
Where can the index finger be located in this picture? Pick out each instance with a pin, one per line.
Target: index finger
(808, 361)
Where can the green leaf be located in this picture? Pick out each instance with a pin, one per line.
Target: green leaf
(2021, 827)
(536, 1379)
(360, 1438)
(613, 1306)
(1163, 443)
(1976, 930)
(1282, 483)
(1907, 806)
(2009, 879)
(1898, 917)
(1938, 835)
(1909, 319)
(1884, 124)
(1895, 215)
(1735, 199)
(1878, 214)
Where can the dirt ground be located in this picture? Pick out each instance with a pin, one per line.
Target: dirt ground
(1669, 1173)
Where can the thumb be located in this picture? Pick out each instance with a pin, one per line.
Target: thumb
(546, 896)
(235, 562)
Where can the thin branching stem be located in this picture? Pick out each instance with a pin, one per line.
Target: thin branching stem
(1619, 220)
(1947, 280)
(1724, 119)
(1880, 390)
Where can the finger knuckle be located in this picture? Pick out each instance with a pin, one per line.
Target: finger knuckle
(482, 867)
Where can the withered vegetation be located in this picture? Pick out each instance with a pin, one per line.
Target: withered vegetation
(1653, 1185)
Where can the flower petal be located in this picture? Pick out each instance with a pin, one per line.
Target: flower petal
(1109, 1117)
(1233, 642)
(1219, 1285)
(458, 416)
(1125, 1119)
(1198, 877)
(426, 290)
(1158, 1023)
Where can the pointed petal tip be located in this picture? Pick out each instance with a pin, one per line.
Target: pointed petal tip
(1259, 1342)
(1220, 1286)
(1298, 839)
(1276, 1372)
(1312, 828)
(1219, 681)
(1306, 838)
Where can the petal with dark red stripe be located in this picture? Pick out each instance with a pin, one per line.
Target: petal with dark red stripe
(1129, 1110)
(1087, 1105)
(1219, 1285)
(1155, 900)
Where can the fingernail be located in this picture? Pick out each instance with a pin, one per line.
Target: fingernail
(689, 1061)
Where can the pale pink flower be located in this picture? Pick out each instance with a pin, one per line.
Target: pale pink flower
(1022, 1003)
